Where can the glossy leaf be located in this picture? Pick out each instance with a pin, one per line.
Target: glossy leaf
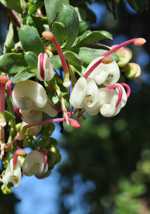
(81, 13)
(80, 70)
(12, 62)
(73, 58)
(12, 4)
(89, 37)
(41, 23)
(59, 31)
(24, 74)
(9, 38)
(31, 59)
(52, 7)
(88, 54)
(30, 39)
(35, 6)
(56, 62)
(8, 116)
(83, 26)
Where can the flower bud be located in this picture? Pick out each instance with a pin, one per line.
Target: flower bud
(132, 70)
(45, 68)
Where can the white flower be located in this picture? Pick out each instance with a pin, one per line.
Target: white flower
(13, 173)
(108, 100)
(25, 93)
(34, 114)
(106, 74)
(34, 165)
(45, 68)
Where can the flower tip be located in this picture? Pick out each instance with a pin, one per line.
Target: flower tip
(107, 60)
(20, 152)
(74, 123)
(139, 41)
(3, 79)
(47, 35)
(67, 84)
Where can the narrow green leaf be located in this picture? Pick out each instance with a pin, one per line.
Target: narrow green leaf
(24, 74)
(12, 63)
(89, 37)
(80, 70)
(31, 59)
(73, 58)
(83, 26)
(9, 116)
(30, 39)
(35, 6)
(9, 38)
(81, 14)
(12, 4)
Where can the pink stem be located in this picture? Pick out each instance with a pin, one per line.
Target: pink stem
(1, 133)
(9, 87)
(45, 156)
(62, 58)
(111, 51)
(120, 93)
(17, 111)
(127, 87)
(15, 138)
(2, 103)
(15, 158)
(51, 90)
(41, 66)
(54, 107)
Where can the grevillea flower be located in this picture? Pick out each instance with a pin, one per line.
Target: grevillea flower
(45, 68)
(25, 93)
(104, 73)
(34, 114)
(108, 101)
(35, 164)
(13, 173)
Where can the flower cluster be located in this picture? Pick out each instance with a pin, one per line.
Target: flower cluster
(98, 90)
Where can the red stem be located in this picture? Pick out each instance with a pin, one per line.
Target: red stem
(9, 87)
(120, 93)
(62, 58)
(127, 87)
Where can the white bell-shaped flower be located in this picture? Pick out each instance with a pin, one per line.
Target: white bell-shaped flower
(78, 93)
(91, 99)
(34, 114)
(34, 164)
(45, 68)
(108, 100)
(13, 173)
(106, 74)
(27, 92)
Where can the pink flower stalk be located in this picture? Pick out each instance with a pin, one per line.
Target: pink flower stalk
(41, 66)
(128, 89)
(136, 41)
(49, 36)
(45, 156)
(18, 152)
(10, 93)
(120, 93)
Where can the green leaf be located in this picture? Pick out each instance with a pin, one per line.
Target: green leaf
(56, 62)
(83, 26)
(89, 37)
(41, 23)
(9, 38)
(24, 74)
(73, 58)
(80, 70)
(35, 6)
(12, 4)
(30, 39)
(12, 63)
(59, 32)
(52, 6)
(138, 5)
(81, 13)
(8, 116)
(31, 59)
(71, 21)
(89, 54)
